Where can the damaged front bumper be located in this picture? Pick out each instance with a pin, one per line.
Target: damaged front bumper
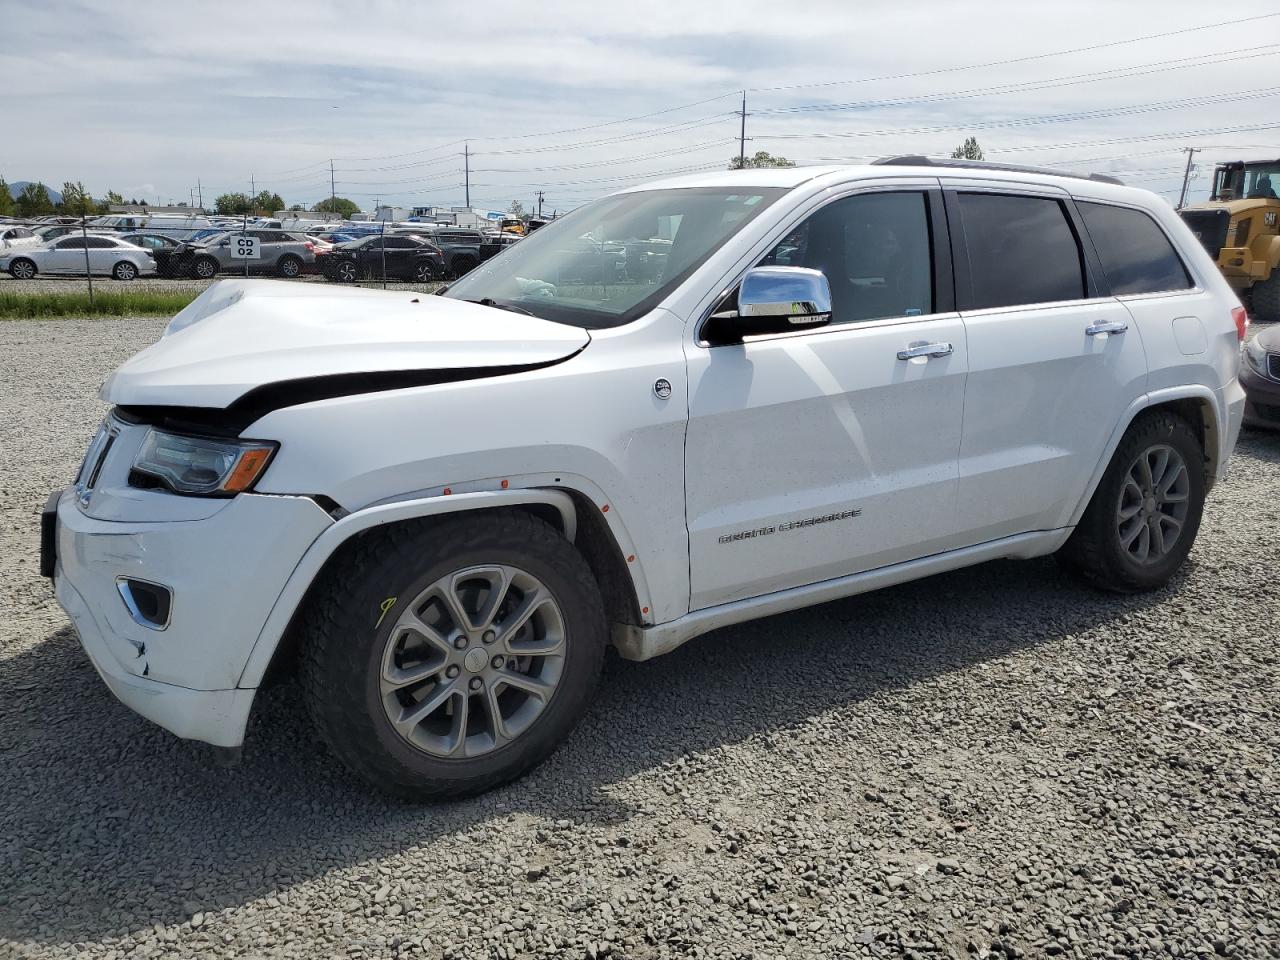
(222, 575)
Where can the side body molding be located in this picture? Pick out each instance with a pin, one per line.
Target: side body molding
(323, 547)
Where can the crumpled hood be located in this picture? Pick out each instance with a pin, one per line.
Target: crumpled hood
(242, 334)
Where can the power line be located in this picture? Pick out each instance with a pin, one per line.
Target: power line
(1031, 86)
(1013, 60)
(1129, 110)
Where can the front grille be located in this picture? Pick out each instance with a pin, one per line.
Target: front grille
(1210, 228)
(1273, 365)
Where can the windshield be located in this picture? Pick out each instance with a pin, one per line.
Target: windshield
(1261, 181)
(608, 262)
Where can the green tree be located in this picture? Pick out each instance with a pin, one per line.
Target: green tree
(969, 150)
(76, 200)
(762, 158)
(267, 202)
(339, 205)
(113, 197)
(233, 204)
(34, 201)
(6, 199)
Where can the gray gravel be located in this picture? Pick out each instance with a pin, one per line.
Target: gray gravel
(993, 763)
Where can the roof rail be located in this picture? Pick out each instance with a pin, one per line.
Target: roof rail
(910, 160)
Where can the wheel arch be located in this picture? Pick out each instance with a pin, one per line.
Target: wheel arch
(1195, 403)
(569, 511)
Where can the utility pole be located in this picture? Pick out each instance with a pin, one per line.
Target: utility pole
(540, 196)
(742, 134)
(1186, 176)
(200, 192)
(466, 171)
(333, 193)
(253, 187)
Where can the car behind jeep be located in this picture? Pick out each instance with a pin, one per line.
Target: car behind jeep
(439, 511)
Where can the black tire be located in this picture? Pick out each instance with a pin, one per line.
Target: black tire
(205, 268)
(124, 270)
(1095, 551)
(424, 272)
(289, 267)
(21, 268)
(346, 271)
(346, 628)
(1266, 298)
(463, 264)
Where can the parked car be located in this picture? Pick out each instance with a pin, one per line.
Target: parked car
(164, 250)
(50, 233)
(493, 244)
(460, 248)
(1260, 377)
(283, 253)
(14, 238)
(440, 510)
(107, 255)
(406, 258)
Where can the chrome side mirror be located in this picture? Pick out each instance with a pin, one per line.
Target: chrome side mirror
(773, 299)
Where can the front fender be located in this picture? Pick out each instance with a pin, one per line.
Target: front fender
(325, 545)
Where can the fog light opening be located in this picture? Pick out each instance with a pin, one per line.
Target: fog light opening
(148, 603)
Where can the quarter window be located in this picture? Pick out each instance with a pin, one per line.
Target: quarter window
(1136, 255)
(1022, 250)
(874, 249)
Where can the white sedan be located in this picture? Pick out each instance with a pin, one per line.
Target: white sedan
(71, 254)
(14, 237)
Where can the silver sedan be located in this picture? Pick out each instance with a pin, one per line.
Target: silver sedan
(72, 255)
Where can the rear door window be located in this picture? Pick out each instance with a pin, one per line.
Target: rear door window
(1136, 255)
(1022, 250)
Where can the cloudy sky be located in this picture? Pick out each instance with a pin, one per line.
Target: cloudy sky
(580, 98)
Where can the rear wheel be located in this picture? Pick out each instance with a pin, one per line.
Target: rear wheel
(22, 269)
(205, 267)
(289, 267)
(424, 272)
(442, 659)
(124, 270)
(1266, 297)
(1143, 518)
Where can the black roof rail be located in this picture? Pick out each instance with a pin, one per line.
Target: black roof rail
(911, 160)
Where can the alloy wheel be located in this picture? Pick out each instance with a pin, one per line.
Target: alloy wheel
(473, 661)
(22, 270)
(1154, 503)
(346, 272)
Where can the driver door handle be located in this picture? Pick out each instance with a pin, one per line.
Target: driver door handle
(934, 350)
(1106, 326)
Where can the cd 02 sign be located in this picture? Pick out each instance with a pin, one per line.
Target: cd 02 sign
(245, 248)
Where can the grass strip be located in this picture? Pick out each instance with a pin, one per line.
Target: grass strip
(129, 303)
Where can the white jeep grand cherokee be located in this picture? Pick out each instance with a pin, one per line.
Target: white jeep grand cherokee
(683, 406)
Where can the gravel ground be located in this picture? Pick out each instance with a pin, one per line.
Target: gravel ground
(995, 762)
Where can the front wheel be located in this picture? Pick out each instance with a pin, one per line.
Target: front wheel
(124, 270)
(1143, 518)
(444, 658)
(22, 269)
(346, 272)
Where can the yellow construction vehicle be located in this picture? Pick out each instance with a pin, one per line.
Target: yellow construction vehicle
(1237, 225)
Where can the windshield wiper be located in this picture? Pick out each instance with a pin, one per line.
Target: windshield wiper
(490, 302)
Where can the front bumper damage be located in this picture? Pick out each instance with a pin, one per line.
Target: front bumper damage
(224, 573)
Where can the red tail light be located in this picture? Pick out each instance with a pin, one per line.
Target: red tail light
(1241, 319)
(311, 247)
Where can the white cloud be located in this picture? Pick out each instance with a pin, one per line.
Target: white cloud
(110, 93)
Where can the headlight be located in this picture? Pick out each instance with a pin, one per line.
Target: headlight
(1256, 355)
(202, 466)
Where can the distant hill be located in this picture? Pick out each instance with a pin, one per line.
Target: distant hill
(17, 187)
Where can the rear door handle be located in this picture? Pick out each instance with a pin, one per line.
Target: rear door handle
(922, 349)
(1106, 326)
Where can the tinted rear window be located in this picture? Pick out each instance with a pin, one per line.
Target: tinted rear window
(1136, 255)
(1022, 250)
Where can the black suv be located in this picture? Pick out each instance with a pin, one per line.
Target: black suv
(406, 258)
